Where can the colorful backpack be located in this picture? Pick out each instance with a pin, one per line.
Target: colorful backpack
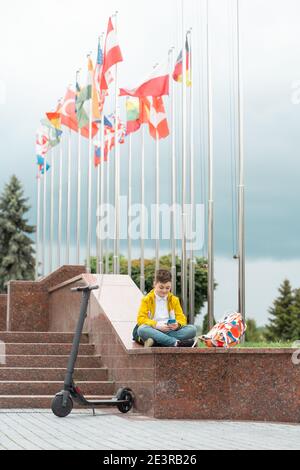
(227, 333)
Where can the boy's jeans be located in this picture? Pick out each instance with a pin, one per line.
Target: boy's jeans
(167, 339)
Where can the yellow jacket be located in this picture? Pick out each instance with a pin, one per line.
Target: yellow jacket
(148, 308)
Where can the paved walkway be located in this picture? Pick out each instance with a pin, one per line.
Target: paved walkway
(109, 430)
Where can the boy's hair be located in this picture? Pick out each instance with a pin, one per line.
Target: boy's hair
(163, 276)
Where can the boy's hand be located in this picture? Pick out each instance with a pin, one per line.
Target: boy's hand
(163, 327)
(173, 326)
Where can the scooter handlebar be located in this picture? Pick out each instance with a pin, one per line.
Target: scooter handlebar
(84, 288)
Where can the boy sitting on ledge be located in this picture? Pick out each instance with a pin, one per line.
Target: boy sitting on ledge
(161, 321)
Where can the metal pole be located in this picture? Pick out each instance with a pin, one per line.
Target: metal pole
(184, 165)
(117, 174)
(210, 183)
(89, 188)
(174, 174)
(69, 198)
(142, 277)
(44, 216)
(78, 227)
(59, 225)
(129, 202)
(192, 261)
(241, 215)
(101, 201)
(107, 267)
(51, 213)
(157, 224)
(37, 258)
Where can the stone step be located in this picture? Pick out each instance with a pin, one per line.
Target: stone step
(47, 349)
(32, 337)
(10, 402)
(50, 361)
(51, 374)
(51, 388)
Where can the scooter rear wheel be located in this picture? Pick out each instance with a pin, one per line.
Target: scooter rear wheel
(58, 409)
(125, 394)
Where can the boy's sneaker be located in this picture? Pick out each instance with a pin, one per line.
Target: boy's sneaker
(186, 343)
(149, 343)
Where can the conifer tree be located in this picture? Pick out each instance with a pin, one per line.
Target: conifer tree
(296, 316)
(283, 312)
(16, 247)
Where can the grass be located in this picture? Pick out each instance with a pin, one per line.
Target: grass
(279, 345)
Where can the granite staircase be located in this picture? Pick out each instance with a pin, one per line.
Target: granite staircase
(33, 369)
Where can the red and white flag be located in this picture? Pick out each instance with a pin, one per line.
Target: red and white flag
(112, 56)
(157, 84)
(158, 123)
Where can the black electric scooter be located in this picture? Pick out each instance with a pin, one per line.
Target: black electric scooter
(62, 404)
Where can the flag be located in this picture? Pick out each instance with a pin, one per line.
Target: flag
(41, 164)
(101, 94)
(55, 119)
(83, 98)
(112, 56)
(69, 118)
(178, 73)
(145, 107)
(97, 157)
(53, 133)
(157, 84)
(83, 103)
(108, 139)
(42, 140)
(133, 115)
(98, 70)
(158, 123)
(96, 115)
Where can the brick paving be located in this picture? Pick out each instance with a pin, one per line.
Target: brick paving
(109, 430)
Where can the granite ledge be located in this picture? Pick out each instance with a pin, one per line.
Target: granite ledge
(246, 351)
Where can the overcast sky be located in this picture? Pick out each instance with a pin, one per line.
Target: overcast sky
(43, 43)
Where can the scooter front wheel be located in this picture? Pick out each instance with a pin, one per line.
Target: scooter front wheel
(58, 409)
(125, 394)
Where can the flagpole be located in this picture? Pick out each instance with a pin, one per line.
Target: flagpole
(192, 263)
(59, 225)
(157, 224)
(51, 213)
(99, 191)
(101, 264)
(89, 188)
(37, 262)
(241, 189)
(78, 227)
(98, 236)
(117, 173)
(210, 182)
(44, 215)
(129, 203)
(107, 269)
(184, 165)
(174, 174)
(69, 199)
(142, 270)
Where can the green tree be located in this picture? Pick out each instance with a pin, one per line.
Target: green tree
(296, 316)
(281, 325)
(16, 247)
(253, 333)
(165, 263)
